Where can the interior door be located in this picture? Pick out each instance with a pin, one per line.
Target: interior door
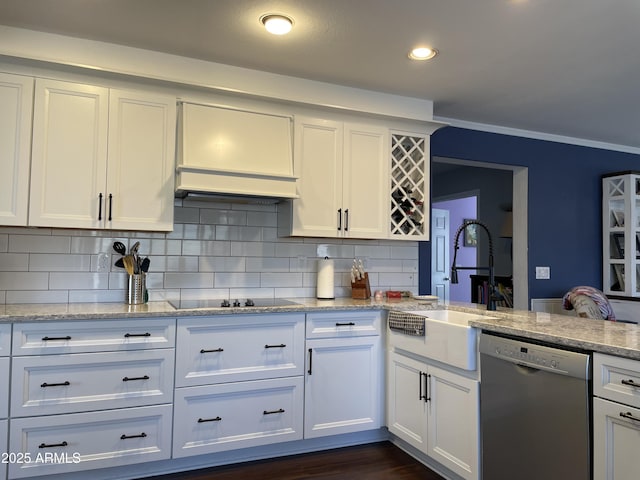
(440, 265)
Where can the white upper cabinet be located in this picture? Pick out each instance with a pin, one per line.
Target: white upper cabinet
(16, 93)
(101, 158)
(343, 180)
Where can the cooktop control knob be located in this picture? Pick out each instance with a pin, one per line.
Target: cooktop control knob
(236, 303)
(225, 303)
(249, 303)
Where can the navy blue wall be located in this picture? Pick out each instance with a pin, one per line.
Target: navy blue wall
(565, 195)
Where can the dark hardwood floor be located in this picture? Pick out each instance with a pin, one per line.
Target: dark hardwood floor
(375, 461)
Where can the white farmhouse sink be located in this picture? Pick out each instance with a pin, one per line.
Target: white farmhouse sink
(448, 338)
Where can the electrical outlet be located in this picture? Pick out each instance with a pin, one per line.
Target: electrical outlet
(103, 262)
(543, 273)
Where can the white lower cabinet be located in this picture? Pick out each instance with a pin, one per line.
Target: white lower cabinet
(239, 382)
(616, 417)
(4, 392)
(83, 441)
(436, 411)
(343, 382)
(215, 418)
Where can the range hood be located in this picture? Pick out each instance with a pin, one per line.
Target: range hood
(234, 154)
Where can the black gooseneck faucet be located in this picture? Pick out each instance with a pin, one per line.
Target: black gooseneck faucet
(491, 300)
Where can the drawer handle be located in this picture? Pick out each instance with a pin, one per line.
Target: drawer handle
(310, 361)
(630, 416)
(630, 383)
(130, 379)
(282, 345)
(215, 350)
(203, 420)
(129, 335)
(271, 412)
(53, 445)
(48, 339)
(126, 437)
(347, 324)
(63, 384)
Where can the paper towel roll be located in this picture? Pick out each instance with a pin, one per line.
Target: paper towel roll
(325, 279)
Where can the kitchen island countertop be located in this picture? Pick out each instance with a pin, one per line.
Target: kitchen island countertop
(615, 338)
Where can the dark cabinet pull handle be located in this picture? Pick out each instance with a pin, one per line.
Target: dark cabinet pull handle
(129, 335)
(203, 420)
(48, 339)
(420, 396)
(125, 437)
(212, 351)
(346, 220)
(427, 381)
(63, 384)
(271, 412)
(53, 445)
(129, 379)
(345, 324)
(310, 359)
(282, 345)
(100, 206)
(110, 205)
(630, 383)
(630, 416)
(339, 219)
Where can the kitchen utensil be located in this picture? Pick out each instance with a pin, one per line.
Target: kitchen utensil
(119, 263)
(144, 265)
(129, 264)
(120, 248)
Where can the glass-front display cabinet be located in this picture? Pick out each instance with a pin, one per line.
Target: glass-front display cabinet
(621, 234)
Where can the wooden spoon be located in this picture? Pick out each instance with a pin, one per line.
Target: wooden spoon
(128, 264)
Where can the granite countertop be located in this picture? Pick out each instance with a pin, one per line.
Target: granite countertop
(615, 338)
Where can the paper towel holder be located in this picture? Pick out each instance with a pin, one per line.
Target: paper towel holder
(325, 281)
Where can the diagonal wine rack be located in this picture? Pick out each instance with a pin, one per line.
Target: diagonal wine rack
(408, 168)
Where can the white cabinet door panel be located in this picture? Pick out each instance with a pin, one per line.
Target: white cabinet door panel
(141, 162)
(69, 155)
(91, 440)
(4, 433)
(365, 179)
(4, 392)
(616, 440)
(215, 418)
(90, 381)
(5, 339)
(16, 98)
(342, 386)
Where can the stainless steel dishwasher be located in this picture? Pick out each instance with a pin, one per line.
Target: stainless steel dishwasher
(535, 411)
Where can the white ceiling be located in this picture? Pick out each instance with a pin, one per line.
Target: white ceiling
(562, 67)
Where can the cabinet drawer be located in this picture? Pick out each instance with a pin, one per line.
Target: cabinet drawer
(343, 324)
(85, 441)
(44, 338)
(616, 379)
(5, 339)
(216, 418)
(90, 381)
(239, 347)
(4, 390)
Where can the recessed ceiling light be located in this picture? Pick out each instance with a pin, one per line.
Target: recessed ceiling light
(422, 53)
(277, 24)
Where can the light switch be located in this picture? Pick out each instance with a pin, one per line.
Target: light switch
(543, 273)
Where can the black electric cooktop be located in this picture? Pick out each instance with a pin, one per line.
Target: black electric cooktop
(237, 303)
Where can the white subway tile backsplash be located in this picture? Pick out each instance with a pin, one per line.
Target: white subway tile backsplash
(14, 262)
(39, 244)
(221, 264)
(217, 250)
(78, 281)
(24, 281)
(188, 280)
(236, 280)
(41, 262)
